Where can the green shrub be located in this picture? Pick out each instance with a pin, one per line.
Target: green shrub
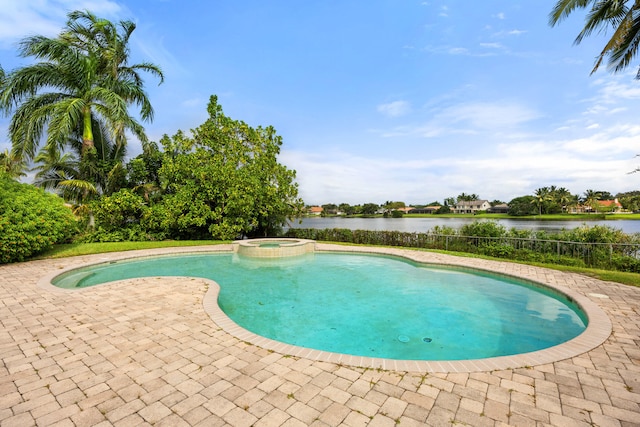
(444, 230)
(31, 220)
(122, 217)
(120, 210)
(625, 263)
(497, 249)
(443, 210)
(483, 229)
(521, 234)
(594, 234)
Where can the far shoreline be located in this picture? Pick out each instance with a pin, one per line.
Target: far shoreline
(546, 217)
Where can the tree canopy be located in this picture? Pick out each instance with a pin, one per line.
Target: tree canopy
(225, 181)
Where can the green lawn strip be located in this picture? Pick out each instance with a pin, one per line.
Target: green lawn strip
(74, 249)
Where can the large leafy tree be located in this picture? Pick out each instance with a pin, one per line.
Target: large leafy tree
(523, 205)
(225, 181)
(620, 16)
(82, 77)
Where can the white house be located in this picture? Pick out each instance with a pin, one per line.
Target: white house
(472, 206)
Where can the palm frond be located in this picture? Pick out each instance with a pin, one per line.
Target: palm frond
(626, 43)
(604, 14)
(563, 9)
(76, 190)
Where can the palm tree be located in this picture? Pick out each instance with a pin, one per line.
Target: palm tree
(12, 166)
(90, 33)
(591, 198)
(467, 197)
(83, 73)
(542, 195)
(619, 15)
(563, 197)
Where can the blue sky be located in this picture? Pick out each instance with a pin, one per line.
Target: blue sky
(383, 99)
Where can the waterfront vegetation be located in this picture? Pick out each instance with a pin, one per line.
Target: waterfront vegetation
(543, 217)
(599, 247)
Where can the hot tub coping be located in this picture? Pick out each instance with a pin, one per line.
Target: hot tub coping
(273, 248)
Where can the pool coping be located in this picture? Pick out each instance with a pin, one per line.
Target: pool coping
(598, 329)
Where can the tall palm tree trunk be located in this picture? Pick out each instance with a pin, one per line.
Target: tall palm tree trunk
(87, 131)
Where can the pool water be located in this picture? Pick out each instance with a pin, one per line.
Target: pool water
(369, 305)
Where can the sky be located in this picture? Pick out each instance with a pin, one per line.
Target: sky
(382, 100)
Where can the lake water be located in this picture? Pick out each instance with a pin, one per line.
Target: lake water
(420, 225)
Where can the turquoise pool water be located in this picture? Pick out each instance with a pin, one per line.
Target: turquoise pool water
(369, 305)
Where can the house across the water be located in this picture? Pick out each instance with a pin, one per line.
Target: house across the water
(471, 206)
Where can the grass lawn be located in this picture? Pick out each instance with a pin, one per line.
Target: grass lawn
(73, 249)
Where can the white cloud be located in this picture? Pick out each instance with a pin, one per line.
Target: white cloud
(609, 91)
(487, 115)
(615, 140)
(492, 45)
(395, 108)
(458, 51)
(471, 118)
(515, 171)
(21, 18)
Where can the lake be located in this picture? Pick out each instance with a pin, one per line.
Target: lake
(420, 225)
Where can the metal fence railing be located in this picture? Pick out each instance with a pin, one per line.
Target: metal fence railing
(611, 256)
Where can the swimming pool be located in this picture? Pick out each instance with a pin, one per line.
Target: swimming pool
(384, 307)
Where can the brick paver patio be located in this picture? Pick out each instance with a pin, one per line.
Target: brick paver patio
(146, 352)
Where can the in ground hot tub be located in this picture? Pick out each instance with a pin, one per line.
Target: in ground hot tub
(273, 248)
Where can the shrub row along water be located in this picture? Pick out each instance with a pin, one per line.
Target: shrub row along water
(597, 246)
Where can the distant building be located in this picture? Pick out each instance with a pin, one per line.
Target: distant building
(405, 210)
(609, 205)
(602, 206)
(472, 206)
(425, 210)
(315, 210)
(502, 208)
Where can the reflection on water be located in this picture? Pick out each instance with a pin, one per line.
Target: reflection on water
(411, 225)
(551, 312)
